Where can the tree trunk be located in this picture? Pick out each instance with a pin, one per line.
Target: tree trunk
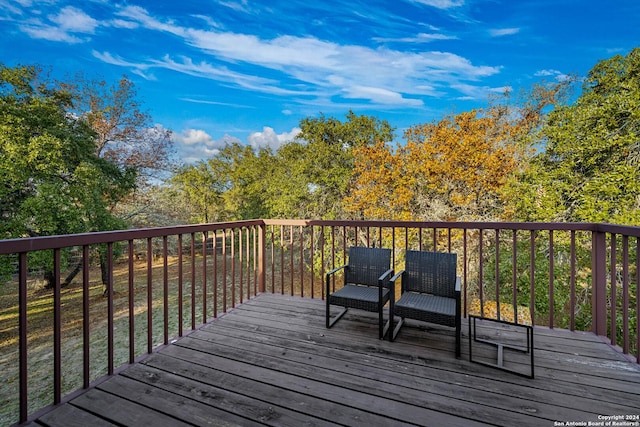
(104, 270)
(73, 274)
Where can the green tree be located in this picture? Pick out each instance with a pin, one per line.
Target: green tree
(328, 159)
(127, 138)
(589, 168)
(51, 180)
(305, 178)
(228, 186)
(288, 193)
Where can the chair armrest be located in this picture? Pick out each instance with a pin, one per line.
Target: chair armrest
(328, 280)
(386, 274)
(398, 274)
(335, 270)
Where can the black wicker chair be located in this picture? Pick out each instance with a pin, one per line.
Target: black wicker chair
(366, 284)
(430, 292)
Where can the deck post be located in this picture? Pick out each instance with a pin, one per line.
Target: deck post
(599, 283)
(261, 257)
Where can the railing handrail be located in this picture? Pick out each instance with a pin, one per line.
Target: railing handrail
(28, 244)
(246, 245)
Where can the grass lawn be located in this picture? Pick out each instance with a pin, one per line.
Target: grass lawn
(40, 324)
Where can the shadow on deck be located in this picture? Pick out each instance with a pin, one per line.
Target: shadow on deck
(271, 361)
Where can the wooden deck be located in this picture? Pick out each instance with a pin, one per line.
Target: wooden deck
(271, 361)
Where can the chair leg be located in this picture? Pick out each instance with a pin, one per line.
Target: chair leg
(394, 332)
(331, 322)
(458, 331)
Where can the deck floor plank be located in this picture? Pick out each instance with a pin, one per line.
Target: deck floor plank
(271, 361)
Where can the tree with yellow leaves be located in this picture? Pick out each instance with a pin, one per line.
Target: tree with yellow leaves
(450, 170)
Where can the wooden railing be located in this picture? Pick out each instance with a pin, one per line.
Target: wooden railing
(154, 285)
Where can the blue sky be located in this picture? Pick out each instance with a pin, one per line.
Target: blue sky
(221, 70)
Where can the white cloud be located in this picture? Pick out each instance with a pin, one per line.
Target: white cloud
(471, 92)
(63, 27)
(74, 20)
(500, 32)
(37, 30)
(307, 67)
(123, 23)
(241, 6)
(420, 38)
(269, 138)
(441, 4)
(194, 145)
(207, 102)
(557, 75)
(379, 95)
(195, 136)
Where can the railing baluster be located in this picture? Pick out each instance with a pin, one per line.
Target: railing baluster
(614, 291)
(22, 326)
(132, 336)
(240, 264)
(497, 273)
(333, 258)
(480, 271)
(435, 239)
(572, 321)
(344, 244)
(323, 270)
(57, 326)
(464, 268)
(514, 277)
(311, 255)
(165, 283)
(86, 349)
(110, 326)
(224, 271)
(232, 235)
(551, 287)
(625, 294)
(599, 282)
(532, 276)
(291, 268)
(282, 260)
(393, 240)
(256, 261)
(273, 261)
(193, 281)
(149, 296)
(406, 239)
(204, 276)
(215, 272)
(180, 290)
(248, 261)
(300, 229)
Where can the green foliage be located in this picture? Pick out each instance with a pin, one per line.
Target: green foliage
(560, 280)
(306, 178)
(589, 170)
(329, 158)
(51, 180)
(229, 186)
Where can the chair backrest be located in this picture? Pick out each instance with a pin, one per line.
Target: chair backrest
(430, 272)
(366, 265)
